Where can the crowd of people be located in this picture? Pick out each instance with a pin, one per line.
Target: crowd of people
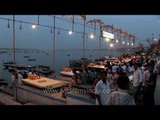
(123, 83)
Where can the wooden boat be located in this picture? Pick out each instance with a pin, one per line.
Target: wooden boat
(26, 56)
(32, 59)
(44, 82)
(67, 72)
(92, 65)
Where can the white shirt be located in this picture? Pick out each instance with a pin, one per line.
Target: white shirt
(146, 75)
(103, 90)
(121, 97)
(13, 79)
(114, 68)
(124, 68)
(137, 77)
(20, 77)
(30, 73)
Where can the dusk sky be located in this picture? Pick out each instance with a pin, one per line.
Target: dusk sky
(140, 25)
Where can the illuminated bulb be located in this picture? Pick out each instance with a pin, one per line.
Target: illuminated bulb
(123, 42)
(70, 32)
(128, 43)
(117, 41)
(111, 45)
(132, 44)
(92, 36)
(33, 26)
(107, 39)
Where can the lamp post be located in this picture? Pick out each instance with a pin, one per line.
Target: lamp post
(54, 40)
(84, 29)
(101, 24)
(14, 58)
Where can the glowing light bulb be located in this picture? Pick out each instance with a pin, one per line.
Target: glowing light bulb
(34, 26)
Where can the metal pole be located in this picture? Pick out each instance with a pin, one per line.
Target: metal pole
(14, 59)
(100, 44)
(54, 40)
(84, 29)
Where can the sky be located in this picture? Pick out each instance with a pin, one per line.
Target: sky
(41, 38)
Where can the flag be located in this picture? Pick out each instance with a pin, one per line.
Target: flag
(83, 17)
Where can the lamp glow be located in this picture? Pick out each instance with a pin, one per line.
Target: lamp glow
(111, 45)
(107, 39)
(70, 32)
(92, 36)
(123, 42)
(34, 26)
(117, 41)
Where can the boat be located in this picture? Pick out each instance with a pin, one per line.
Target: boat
(8, 64)
(32, 59)
(67, 72)
(45, 70)
(26, 56)
(10, 69)
(96, 66)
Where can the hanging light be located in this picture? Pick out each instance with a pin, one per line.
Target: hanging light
(94, 28)
(73, 24)
(111, 45)
(92, 36)
(128, 43)
(34, 26)
(131, 44)
(117, 41)
(86, 36)
(38, 20)
(123, 42)
(70, 32)
(107, 39)
(8, 24)
(58, 31)
(51, 30)
(20, 27)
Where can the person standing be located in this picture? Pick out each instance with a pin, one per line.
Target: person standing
(137, 82)
(20, 77)
(122, 96)
(150, 86)
(102, 90)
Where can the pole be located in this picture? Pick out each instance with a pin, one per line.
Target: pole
(84, 29)
(54, 39)
(14, 59)
(100, 44)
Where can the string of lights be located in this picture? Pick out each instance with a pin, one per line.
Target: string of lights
(57, 28)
